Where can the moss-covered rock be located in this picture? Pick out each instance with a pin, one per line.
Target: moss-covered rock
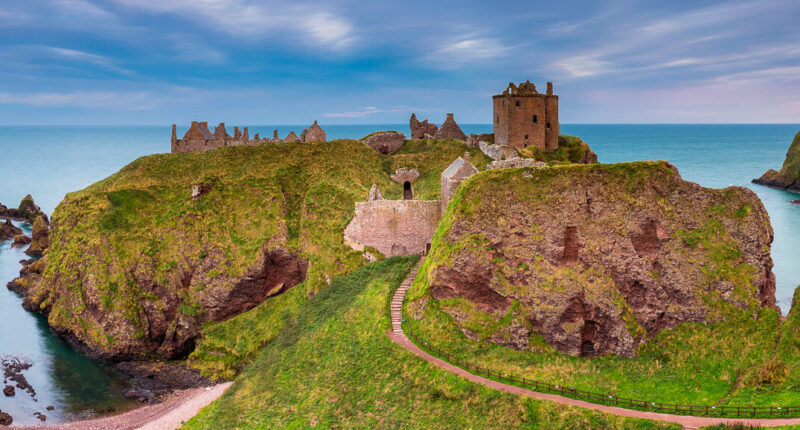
(594, 259)
(136, 265)
(571, 149)
(789, 176)
(40, 237)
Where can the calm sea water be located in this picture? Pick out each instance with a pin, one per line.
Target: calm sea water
(48, 162)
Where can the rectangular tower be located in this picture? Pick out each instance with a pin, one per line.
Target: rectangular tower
(523, 117)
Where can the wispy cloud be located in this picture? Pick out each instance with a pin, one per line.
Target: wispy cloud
(138, 100)
(465, 50)
(364, 112)
(85, 57)
(312, 25)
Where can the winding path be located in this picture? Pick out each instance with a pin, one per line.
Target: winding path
(168, 415)
(687, 421)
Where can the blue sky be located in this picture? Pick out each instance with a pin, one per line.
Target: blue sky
(265, 62)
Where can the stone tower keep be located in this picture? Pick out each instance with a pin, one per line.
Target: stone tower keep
(524, 117)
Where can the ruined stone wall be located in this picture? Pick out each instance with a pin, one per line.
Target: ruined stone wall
(393, 227)
(184, 146)
(552, 126)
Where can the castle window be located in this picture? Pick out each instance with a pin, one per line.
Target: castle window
(498, 119)
(516, 103)
(535, 118)
(526, 137)
(548, 125)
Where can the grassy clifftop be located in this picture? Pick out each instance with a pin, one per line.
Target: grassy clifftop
(136, 265)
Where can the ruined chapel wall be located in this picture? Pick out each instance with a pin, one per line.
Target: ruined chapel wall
(393, 227)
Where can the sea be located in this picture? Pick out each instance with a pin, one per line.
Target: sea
(48, 162)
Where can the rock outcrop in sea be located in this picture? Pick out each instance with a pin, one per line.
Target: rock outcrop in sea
(27, 211)
(8, 230)
(788, 178)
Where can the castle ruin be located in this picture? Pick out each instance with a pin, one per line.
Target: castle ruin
(200, 138)
(404, 227)
(523, 117)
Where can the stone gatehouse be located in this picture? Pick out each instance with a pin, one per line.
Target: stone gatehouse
(404, 227)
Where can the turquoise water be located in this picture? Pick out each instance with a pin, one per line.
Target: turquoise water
(62, 378)
(48, 162)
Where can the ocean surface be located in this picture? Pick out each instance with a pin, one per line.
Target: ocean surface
(48, 162)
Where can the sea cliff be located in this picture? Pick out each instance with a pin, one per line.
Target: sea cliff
(788, 178)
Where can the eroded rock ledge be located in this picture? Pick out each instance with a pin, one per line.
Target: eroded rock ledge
(598, 259)
(169, 326)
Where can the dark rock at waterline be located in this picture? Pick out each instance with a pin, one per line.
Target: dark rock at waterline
(795, 202)
(12, 371)
(50, 408)
(9, 231)
(42, 417)
(9, 391)
(160, 377)
(27, 262)
(5, 419)
(20, 240)
(27, 211)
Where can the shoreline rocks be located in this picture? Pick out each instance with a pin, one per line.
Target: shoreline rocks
(27, 211)
(20, 240)
(788, 178)
(8, 230)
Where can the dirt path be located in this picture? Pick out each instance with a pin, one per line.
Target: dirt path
(688, 422)
(168, 415)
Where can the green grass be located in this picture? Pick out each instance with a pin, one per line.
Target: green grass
(141, 231)
(727, 361)
(571, 149)
(332, 364)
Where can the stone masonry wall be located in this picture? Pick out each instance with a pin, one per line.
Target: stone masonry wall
(393, 227)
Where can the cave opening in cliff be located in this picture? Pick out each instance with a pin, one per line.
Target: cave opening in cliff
(587, 349)
(588, 334)
(408, 193)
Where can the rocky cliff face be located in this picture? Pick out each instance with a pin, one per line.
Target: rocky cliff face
(138, 262)
(789, 176)
(595, 259)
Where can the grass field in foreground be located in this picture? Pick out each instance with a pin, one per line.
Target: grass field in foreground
(333, 365)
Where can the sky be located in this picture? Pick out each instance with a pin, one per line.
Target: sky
(154, 62)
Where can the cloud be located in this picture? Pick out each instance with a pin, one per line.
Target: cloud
(364, 112)
(189, 49)
(245, 18)
(581, 66)
(466, 50)
(137, 100)
(85, 57)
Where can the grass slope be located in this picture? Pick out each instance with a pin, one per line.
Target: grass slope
(722, 363)
(331, 364)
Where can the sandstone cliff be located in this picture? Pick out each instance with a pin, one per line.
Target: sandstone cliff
(140, 261)
(789, 176)
(594, 259)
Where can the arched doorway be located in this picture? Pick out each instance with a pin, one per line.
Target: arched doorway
(408, 192)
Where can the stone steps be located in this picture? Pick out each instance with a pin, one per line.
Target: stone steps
(396, 307)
